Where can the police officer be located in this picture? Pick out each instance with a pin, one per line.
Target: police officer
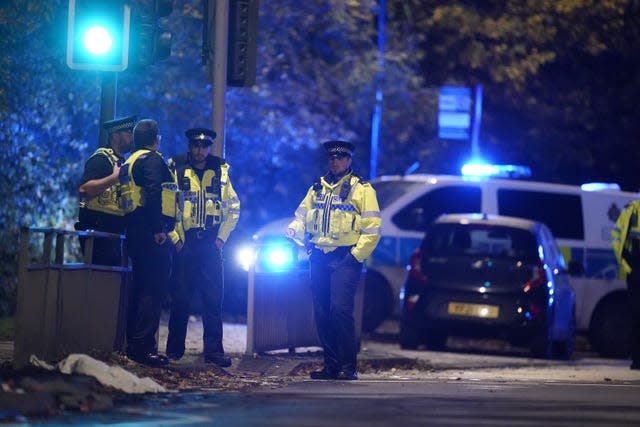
(211, 211)
(341, 218)
(149, 190)
(626, 247)
(100, 190)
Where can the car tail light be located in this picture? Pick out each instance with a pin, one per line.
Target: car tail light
(538, 278)
(415, 267)
(534, 311)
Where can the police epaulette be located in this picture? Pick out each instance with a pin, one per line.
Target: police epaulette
(361, 179)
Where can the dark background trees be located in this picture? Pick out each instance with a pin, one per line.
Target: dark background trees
(560, 81)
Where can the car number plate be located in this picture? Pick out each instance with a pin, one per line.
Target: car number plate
(473, 310)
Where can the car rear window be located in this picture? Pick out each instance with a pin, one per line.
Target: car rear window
(480, 240)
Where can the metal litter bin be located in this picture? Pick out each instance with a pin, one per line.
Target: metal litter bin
(67, 307)
(280, 307)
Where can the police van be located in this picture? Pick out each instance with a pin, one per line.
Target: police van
(580, 217)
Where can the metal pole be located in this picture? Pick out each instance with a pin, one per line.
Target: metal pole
(477, 119)
(107, 103)
(220, 73)
(376, 117)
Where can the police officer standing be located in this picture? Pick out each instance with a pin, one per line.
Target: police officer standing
(211, 211)
(100, 191)
(340, 215)
(626, 247)
(149, 193)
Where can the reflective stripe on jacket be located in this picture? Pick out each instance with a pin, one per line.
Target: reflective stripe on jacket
(109, 200)
(333, 218)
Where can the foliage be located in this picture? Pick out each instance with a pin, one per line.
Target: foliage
(559, 78)
(41, 132)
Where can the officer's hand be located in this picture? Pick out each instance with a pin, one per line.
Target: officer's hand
(179, 245)
(291, 233)
(160, 238)
(116, 172)
(219, 243)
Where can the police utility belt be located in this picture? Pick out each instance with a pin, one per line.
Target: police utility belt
(202, 233)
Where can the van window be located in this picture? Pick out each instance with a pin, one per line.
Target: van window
(389, 191)
(562, 213)
(451, 199)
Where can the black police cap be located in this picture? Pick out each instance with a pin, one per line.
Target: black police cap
(339, 148)
(201, 136)
(121, 124)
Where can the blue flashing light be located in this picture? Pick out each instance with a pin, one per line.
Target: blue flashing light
(491, 170)
(276, 258)
(599, 186)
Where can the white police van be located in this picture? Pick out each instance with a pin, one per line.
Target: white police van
(580, 217)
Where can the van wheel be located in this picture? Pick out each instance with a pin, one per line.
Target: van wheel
(378, 300)
(611, 328)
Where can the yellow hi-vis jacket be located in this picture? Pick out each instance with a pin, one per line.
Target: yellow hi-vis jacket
(210, 202)
(133, 196)
(627, 227)
(109, 200)
(344, 213)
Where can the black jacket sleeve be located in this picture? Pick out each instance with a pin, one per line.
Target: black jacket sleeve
(150, 173)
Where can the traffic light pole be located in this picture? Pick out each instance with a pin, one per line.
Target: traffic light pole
(107, 102)
(220, 72)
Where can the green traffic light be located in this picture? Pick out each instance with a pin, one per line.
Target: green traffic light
(98, 35)
(97, 40)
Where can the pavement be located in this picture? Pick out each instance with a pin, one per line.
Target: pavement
(381, 357)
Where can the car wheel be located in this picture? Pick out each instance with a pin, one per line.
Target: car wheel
(409, 337)
(540, 345)
(378, 300)
(611, 328)
(435, 340)
(564, 349)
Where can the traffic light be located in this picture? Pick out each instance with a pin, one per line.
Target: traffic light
(149, 42)
(98, 35)
(243, 30)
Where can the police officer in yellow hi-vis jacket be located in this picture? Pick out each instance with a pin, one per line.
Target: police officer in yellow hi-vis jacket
(99, 191)
(626, 247)
(149, 196)
(339, 219)
(211, 211)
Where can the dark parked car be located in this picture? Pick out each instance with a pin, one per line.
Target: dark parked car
(478, 275)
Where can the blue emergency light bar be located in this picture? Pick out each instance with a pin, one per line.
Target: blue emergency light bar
(496, 171)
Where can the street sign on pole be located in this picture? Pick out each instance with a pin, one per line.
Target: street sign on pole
(454, 112)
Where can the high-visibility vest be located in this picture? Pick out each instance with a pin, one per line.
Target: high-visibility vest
(109, 200)
(210, 202)
(132, 194)
(626, 229)
(344, 213)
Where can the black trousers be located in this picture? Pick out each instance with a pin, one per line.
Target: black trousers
(151, 264)
(334, 281)
(633, 285)
(198, 268)
(105, 251)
